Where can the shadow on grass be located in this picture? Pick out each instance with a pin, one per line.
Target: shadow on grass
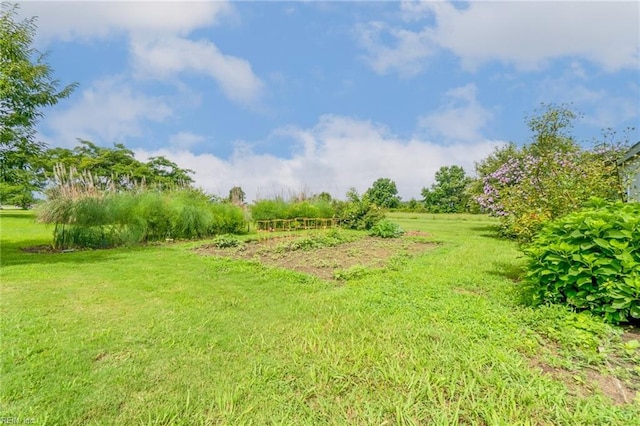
(489, 231)
(511, 271)
(13, 253)
(18, 214)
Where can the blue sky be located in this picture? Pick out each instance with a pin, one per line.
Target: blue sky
(282, 97)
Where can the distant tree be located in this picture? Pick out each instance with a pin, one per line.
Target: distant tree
(413, 204)
(324, 196)
(164, 172)
(26, 86)
(384, 193)
(117, 167)
(236, 196)
(352, 195)
(449, 193)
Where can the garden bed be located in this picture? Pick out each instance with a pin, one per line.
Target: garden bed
(328, 262)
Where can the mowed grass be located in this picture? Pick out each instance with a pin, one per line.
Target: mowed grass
(161, 335)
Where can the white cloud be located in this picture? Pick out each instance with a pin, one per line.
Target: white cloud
(165, 57)
(337, 153)
(407, 56)
(461, 119)
(106, 112)
(65, 20)
(412, 10)
(157, 32)
(525, 34)
(185, 140)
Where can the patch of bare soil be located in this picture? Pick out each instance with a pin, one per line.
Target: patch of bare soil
(591, 381)
(587, 381)
(323, 262)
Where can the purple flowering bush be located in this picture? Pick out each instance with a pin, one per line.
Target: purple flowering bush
(547, 179)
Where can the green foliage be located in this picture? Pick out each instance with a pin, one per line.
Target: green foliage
(227, 219)
(314, 241)
(128, 218)
(269, 209)
(226, 241)
(359, 212)
(383, 193)
(353, 273)
(449, 193)
(280, 209)
(386, 229)
(412, 205)
(26, 86)
(590, 260)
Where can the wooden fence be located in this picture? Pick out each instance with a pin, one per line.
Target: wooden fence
(296, 224)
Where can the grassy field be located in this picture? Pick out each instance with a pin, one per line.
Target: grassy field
(162, 335)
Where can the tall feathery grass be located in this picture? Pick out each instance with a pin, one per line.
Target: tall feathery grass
(85, 216)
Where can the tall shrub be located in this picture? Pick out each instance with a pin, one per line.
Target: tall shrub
(358, 212)
(590, 260)
(546, 179)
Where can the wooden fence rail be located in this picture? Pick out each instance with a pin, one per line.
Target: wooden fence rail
(296, 224)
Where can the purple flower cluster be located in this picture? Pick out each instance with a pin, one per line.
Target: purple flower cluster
(509, 174)
(522, 179)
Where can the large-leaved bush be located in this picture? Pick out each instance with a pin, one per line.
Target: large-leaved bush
(590, 260)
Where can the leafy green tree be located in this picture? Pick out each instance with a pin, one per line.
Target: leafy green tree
(412, 205)
(449, 193)
(324, 196)
(165, 173)
(117, 167)
(383, 193)
(26, 86)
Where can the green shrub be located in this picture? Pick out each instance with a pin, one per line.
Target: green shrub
(314, 241)
(269, 209)
(280, 209)
(590, 260)
(386, 229)
(226, 241)
(227, 219)
(359, 214)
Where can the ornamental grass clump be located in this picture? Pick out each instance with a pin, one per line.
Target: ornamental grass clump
(590, 260)
(85, 217)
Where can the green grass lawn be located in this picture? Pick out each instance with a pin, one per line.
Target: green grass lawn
(162, 335)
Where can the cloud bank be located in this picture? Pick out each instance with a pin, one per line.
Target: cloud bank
(334, 155)
(526, 35)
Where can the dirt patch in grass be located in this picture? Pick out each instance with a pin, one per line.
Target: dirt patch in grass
(586, 380)
(325, 262)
